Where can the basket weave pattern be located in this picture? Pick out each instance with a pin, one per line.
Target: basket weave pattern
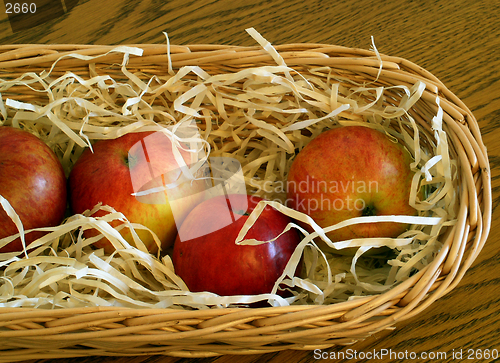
(38, 333)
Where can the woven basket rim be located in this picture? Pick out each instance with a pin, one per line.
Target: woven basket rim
(250, 330)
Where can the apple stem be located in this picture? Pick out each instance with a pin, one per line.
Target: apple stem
(241, 212)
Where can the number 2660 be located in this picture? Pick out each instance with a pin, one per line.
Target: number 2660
(17, 8)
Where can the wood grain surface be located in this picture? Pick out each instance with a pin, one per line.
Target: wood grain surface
(458, 41)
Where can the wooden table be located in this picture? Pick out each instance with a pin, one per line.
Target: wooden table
(458, 41)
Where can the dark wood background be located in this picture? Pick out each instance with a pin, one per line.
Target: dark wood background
(458, 41)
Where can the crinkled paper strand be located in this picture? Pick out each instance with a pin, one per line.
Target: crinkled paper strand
(257, 116)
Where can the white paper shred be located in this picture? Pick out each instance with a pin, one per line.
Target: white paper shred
(259, 116)
(11, 213)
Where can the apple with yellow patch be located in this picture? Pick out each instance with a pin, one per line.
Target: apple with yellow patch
(117, 169)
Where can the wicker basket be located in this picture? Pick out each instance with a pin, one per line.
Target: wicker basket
(29, 333)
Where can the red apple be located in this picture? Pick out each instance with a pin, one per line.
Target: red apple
(214, 262)
(33, 182)
(134, 162)
(348, 172)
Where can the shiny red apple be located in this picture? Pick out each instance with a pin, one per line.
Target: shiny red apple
(135, 162)
(352, 171)
(32, 180)
(208, 258)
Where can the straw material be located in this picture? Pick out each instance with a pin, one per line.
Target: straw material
(259, 105)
